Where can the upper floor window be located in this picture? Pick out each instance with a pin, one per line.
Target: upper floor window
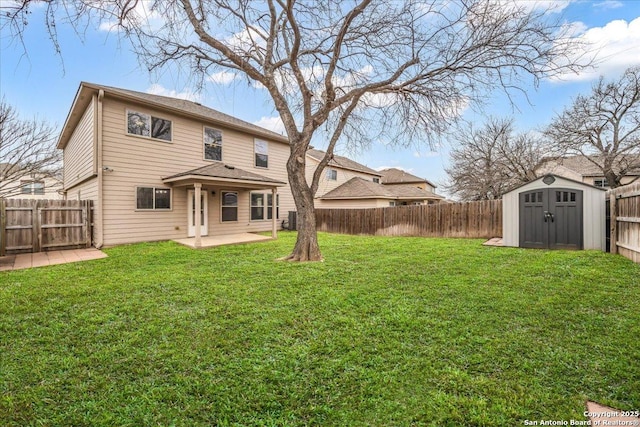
(144, 124)
(601, 182)
(32, 187)
(332, 174)
(212, 144)
(153, 198)
(261, 151)
(376, 180)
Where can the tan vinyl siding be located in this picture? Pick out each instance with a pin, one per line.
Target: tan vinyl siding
(137, 161)
(79, 154)
(325, 185)
(88, 190)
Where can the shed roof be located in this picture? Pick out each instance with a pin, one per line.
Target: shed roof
(556, 177)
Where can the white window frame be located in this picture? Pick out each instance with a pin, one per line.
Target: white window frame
(264, 150)
(222, 205)
(600, 182)
(204, 143)
(154, 208)
(331, 174)
(266, 213)
(149, 125)
(29, 187)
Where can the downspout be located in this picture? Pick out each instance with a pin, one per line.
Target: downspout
(100, 214)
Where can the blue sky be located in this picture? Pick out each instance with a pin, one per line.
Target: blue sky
(43, 84)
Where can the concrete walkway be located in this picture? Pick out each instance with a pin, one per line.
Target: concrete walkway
(41, 259)
(226, 239)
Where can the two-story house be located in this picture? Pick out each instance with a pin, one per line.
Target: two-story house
(346, 184)
(160, 168)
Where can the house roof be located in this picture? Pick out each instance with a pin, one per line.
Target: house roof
(360, 188)
(342, 162)
(584, 166)
(174, 105)
(398, 176)
(224, 173)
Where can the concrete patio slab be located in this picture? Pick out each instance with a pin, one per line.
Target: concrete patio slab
(42, 259)
(496, 241)
(228, 239)
(606, 416)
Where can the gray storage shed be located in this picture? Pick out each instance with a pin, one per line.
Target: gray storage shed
(553, 212)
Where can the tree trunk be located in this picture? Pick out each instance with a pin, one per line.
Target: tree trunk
(306, 248)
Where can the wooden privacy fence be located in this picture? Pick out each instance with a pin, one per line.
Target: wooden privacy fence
(624, 205)
(472, 220)
(42, 225)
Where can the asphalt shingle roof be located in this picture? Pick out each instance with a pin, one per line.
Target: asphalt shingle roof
(342, 162)
(398, 176)
(220, 170)
(361, 188)
(585, 167)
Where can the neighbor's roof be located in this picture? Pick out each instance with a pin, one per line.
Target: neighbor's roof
(360, 188)
(223, 172)
(398, 176)
(342, 162)
(173, 105)
(584, 166)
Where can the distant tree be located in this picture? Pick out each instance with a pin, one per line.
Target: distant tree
(350, 71)
(487, 162)
(27, 149)
(604, 126)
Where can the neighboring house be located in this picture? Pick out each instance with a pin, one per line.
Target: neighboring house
(143, 159)
(347, 184)
(580, 168)
(15, 185)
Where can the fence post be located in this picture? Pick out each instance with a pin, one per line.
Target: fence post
(613, 240)
(35, 226)
(3, 227)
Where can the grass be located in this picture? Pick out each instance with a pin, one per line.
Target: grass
(386, 331)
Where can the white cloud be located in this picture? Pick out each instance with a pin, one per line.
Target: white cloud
(550, 6)
(272, 123)
(223, 77)
(614, 48)
(157, 89)
(608, 4)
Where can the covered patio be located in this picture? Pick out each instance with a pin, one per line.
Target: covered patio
(218, 175)
(227, 239)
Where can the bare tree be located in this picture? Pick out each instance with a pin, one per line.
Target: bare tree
(604, 126)
(349, 71)
(27, 149)
(487, 162)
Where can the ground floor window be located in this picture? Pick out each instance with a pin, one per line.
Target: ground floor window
(260, 210)
(153, 198)
(229, 206)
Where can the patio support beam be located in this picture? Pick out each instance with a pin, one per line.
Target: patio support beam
(196, 216)
(274, 221)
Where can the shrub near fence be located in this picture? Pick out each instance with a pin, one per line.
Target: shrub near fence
(471, 220)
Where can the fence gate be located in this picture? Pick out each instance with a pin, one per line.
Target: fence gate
(42, 225)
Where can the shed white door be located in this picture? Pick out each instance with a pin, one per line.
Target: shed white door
(551, 218)
(204, 210)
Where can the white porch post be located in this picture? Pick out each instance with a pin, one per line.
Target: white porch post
(274, 221)
(196, 217)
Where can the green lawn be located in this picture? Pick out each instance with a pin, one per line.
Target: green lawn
(386, 331)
